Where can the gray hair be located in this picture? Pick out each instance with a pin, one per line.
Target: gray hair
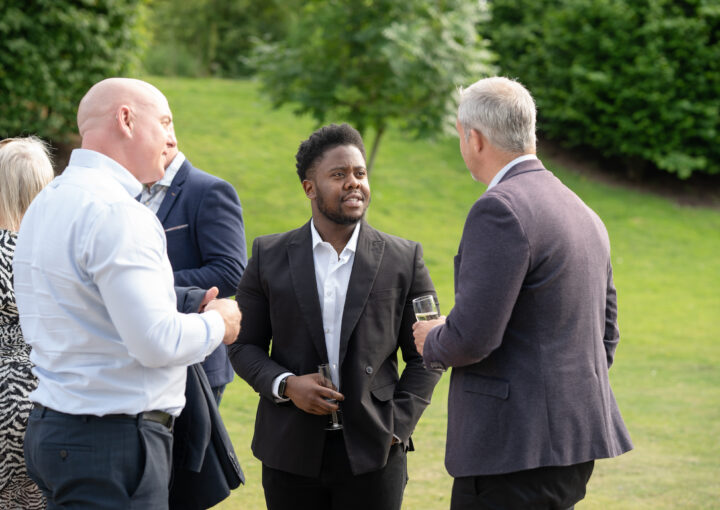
(25, 169)
(502, 110)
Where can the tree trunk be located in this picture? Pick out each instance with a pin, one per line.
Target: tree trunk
(376, 143)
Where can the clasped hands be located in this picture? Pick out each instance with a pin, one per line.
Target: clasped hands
(228, 310)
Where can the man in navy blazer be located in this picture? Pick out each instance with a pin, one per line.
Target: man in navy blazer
(203, 222)
(534, 328)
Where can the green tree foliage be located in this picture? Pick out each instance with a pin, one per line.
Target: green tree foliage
(639, 79)
(53, 51)
(211, 37)
(370, 62)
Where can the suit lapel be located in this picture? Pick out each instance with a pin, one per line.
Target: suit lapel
(302, 271)
(173, 191)
(369, 252)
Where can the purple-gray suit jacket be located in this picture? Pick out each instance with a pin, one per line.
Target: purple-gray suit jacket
(532, 334)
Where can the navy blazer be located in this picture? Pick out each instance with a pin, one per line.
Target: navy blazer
(532, 334)
(203, 223)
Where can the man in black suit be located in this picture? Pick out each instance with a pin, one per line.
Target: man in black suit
(534, 329)
(333, 291)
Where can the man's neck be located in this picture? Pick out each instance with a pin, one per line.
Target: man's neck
(497, 163)
(334, 233)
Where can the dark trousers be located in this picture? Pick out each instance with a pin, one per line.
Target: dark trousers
(545, 488)
(337, 488)
(89, 462)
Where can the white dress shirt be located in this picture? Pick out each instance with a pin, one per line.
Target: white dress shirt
(94, 289)
(153, 196)
(332, 275)
(504, 170)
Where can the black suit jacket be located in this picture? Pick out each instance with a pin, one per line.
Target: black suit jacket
(279, 300)
(205, 467)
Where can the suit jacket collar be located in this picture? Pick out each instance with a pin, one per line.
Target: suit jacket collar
(174, 190)
(370, 247)
(534, 165)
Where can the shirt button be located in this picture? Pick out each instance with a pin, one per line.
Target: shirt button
(368, 370)
(63, 454)
(327, 330)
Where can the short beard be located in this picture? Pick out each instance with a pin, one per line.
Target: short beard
(337, 217)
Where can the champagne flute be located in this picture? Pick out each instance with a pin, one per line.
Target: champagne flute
(324, 371)
(427, 308)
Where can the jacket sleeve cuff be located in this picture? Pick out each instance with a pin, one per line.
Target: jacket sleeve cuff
(429, 356)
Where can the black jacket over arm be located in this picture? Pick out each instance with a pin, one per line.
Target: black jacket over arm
(205, 467)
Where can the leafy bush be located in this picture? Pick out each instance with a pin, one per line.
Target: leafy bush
(638, 79)
(53, 52)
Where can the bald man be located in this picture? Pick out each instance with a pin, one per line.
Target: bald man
(94, 289)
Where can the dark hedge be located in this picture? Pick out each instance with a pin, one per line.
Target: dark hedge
(639, 79)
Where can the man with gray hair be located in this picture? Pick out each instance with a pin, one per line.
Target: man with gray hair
(95, 293)
(534, 328)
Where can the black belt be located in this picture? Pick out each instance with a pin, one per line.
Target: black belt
(161, 417)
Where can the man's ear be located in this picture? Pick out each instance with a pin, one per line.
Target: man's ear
(309, 187)
(124, 120)
(477, 140)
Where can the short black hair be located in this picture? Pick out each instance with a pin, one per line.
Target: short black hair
(321, 141)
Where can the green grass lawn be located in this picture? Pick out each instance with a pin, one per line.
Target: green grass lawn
(666, 377)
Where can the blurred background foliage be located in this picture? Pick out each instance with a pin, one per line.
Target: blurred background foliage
(632, 80)
(374, 62)
(52, 52)
(212, 37)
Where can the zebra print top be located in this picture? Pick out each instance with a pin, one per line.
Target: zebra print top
(16, 382)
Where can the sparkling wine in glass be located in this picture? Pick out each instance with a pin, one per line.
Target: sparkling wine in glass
(324, 371)
(426, 308)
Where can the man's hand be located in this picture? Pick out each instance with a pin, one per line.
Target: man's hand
(309, 394)
(230, 312)
(420, 331)
(211, 294)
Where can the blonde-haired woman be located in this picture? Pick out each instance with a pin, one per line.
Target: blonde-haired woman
(24, 170)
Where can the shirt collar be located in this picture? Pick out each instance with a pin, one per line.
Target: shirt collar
(498, 176)
(351, 244)
(91, 159)
(172, 170)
